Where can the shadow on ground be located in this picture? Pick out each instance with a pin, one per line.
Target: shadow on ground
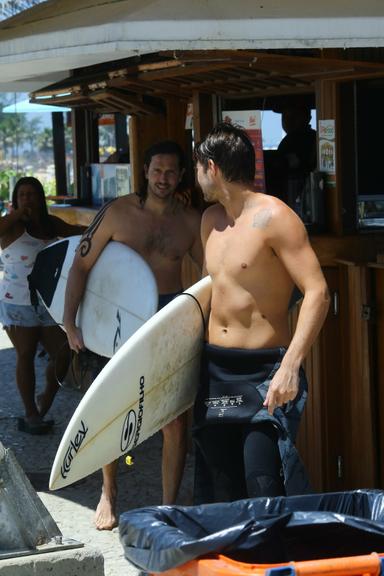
(139, 485)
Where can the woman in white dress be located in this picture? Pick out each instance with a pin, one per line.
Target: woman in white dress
(23, 233)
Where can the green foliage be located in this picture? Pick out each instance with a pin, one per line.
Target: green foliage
(26, 147)
(6, 178)
(44, 140)
(9, 177)
(50, 187)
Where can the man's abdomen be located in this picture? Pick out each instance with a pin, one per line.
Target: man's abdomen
(248, 327)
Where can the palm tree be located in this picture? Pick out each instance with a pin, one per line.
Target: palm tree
(44, 140)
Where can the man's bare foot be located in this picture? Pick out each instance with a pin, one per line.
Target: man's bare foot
(105, 515)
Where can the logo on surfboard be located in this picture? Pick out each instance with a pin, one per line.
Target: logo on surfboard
(117, 336)
(132, 423)
(129, 430)
(73, 448)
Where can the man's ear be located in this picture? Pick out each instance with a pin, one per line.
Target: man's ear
(146, 171)
(182, 172)
(212, 167)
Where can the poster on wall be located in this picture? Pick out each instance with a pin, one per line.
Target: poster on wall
(109, 181)
(327, 147)
(189, 117)
(250, 120)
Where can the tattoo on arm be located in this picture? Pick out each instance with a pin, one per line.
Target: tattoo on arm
(86, 240)
(262, 218)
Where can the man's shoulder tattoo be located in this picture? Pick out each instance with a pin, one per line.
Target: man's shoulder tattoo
(262, 218)
(86, 240)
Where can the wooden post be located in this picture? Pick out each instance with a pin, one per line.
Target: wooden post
(79, 147)
(143, 132)
(59, 153)
(203, 120)
(378, 350)
(320, 438)
(121, 135)
(176, 112)
(327, 106)
(85, 144)
(357, 409)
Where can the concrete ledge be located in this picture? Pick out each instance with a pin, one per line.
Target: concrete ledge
(74, 214)
(79, 562)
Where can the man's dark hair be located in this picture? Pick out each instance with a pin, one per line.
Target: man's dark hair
(230, 148)
(163, 147)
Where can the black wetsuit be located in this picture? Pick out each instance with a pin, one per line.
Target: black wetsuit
(241, 450)
(165, 299)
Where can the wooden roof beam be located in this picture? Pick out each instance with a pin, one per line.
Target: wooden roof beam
(265, 92)
(60, 101)
(182, 70)
(343, 75)
(142, 87)
(258, 80)
(163, 65)
(123, 102)
(215, 55)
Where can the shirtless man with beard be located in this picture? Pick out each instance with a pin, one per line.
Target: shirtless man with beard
(162, 230)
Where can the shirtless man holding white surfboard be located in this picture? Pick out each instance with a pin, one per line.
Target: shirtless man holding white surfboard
(162, 230)
(252, 387)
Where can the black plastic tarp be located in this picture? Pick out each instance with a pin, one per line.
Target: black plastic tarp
(260, 530)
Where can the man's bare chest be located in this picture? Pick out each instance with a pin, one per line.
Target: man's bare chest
(150, 238)
(234, 250)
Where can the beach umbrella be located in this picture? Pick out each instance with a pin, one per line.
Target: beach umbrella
(26, 107)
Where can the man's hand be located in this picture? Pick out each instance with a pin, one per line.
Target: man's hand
(75, 338)
(284, 387)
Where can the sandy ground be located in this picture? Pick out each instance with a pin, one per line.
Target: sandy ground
(73, 507)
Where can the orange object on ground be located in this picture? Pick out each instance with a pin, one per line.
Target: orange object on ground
(367, 565)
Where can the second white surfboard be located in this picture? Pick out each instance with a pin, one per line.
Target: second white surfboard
(120, 295)
(152, 379)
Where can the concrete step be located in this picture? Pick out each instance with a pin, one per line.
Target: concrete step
(30, 540)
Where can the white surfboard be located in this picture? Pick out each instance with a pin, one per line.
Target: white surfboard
(152, 379)
(120, 295)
